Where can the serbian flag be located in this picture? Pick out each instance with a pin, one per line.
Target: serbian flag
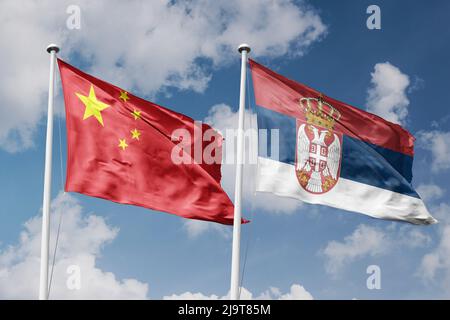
(128, 150)
(333, 154)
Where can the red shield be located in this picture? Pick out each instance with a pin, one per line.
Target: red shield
(318, 157)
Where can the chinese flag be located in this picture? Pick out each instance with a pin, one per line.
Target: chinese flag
(128, 150)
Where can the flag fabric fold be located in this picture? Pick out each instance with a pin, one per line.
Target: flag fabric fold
(129, 150)
(332, 153)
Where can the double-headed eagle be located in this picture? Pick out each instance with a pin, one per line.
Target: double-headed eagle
(305, 156)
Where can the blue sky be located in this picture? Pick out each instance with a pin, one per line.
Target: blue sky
(191, 75)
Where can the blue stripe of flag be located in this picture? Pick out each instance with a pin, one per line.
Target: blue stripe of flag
(361, 161)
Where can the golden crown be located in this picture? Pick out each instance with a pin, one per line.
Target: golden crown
(319, 112)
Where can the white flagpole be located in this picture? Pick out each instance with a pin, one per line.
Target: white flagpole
(244, 49)
(43, 280)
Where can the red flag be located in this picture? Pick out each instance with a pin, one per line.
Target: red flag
(128, 150)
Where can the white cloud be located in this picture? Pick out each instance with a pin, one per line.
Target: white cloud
(437, 142)
(442, 213)
(191, 296)
(81, 241)
(143, 46)
(296, 292)
(435, 265)
(194, 228)
(387, 95)
(25, 31)
(409, 237)
(429, 192)
(364, 241)
(245, 295)
(368, 241)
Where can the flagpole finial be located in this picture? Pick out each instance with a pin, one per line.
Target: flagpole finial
(52, 47)
(244, 47)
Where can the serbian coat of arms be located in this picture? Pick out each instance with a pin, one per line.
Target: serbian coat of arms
(318, 151)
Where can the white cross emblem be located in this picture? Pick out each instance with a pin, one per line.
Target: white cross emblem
(316, 155)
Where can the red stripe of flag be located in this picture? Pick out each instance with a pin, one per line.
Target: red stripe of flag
(280, 94)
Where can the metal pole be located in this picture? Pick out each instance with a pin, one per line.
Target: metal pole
(43, 280)
(244, 49)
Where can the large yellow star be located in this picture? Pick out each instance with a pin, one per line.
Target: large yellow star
(93, 106)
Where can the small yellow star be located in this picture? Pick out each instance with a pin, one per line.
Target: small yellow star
(135, 134)
(93, 107)
(136, 114)
(124, 96)
(123, 144)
